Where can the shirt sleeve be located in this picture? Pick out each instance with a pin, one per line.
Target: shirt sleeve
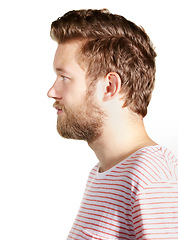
(155, 212)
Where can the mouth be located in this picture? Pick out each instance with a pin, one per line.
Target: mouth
(58, 108)
(59, 111)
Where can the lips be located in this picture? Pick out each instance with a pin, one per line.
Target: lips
(58, 107)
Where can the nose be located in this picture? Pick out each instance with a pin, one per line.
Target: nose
(54, 91)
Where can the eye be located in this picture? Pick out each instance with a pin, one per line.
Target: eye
(64, 78)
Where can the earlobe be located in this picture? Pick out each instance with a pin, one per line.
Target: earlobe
(113, 85)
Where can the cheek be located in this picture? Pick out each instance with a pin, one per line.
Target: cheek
(71, 98)
(74, 91)
(77, 95)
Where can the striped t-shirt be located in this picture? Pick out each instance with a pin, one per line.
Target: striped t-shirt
(136, 199)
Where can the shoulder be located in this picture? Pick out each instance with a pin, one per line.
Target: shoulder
(159, 162)
(151, 164)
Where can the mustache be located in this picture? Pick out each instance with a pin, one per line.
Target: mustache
(58, 105)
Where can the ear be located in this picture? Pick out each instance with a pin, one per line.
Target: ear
(113, 86)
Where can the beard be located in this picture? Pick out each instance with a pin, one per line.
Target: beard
(83, 121)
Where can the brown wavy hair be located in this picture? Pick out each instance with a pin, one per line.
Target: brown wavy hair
(112, 43)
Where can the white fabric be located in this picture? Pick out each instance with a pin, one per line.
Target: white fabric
(136, 199)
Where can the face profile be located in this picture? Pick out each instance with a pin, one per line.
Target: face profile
(79, 116)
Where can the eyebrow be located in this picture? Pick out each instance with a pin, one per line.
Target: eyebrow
(61, 70)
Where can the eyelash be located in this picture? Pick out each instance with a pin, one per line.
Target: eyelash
(64, 78)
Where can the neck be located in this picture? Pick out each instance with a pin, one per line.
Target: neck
(116, 144)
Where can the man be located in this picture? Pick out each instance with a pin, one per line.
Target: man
(105, 67)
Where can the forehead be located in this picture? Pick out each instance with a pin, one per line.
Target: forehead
(66, 54)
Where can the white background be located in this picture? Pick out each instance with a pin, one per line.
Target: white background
(42, 176)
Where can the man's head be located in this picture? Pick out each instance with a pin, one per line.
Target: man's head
(112, 44)
(95, 45)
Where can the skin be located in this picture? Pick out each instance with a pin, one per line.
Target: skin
(122, 132)
(65, 66)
